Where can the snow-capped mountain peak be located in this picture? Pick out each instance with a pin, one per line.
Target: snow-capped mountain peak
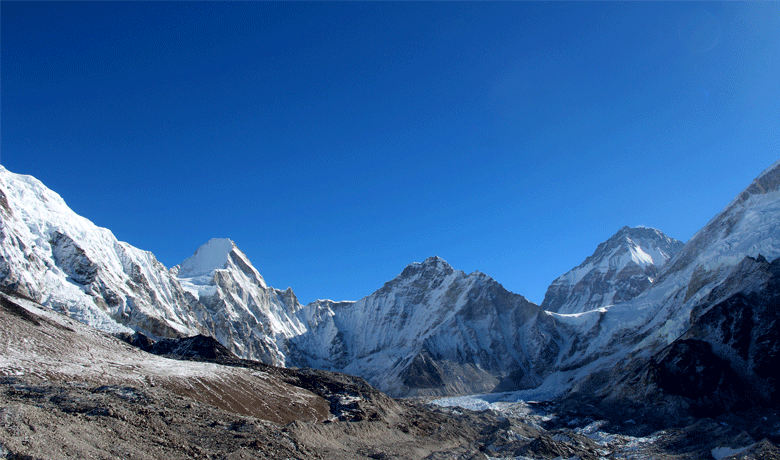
(216, 254)
(252, 320)
(645, 246)
(434, 261)
(644, 254)
(432, 266)
(209, 257)
(620, 269)
(430, 330)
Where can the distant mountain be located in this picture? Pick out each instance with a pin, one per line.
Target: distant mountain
(432, 330)
(251, 319)
(620, 269)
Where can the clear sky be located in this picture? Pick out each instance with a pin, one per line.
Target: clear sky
(336, 143)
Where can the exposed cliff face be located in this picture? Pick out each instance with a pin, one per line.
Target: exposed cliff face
(734, 342)
(620, 269)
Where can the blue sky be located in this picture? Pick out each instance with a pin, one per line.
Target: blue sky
(336, 143)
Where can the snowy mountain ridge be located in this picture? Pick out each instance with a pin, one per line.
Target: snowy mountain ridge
(66, 262)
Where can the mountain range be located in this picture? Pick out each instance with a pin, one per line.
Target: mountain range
(639, 306)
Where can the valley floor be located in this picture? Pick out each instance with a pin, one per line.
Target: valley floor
(47, 420)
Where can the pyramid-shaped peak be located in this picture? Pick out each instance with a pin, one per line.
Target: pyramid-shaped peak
(601, 280)
(630, 238)
(212, 255)
(435, 261)
(431, 265)
(639, 232)
(436, 264)
(633, 239)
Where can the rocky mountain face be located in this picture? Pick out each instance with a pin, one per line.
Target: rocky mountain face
(67, 263)
(729, 357)
(432, 330)
(723, 366)
(620, 269)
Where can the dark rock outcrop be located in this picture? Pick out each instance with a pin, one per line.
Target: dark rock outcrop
(726, 361)
(72, 259)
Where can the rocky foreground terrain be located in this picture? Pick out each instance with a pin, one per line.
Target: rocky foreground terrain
(70, 391)
(51, 420)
